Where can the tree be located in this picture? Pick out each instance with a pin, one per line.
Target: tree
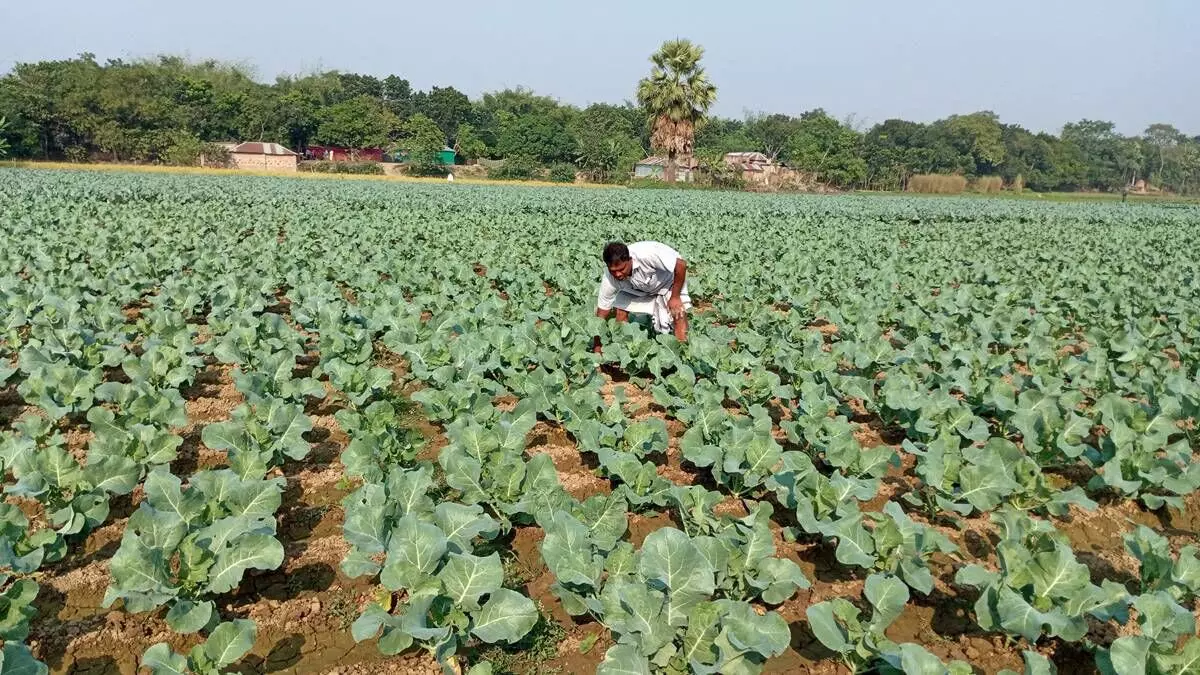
(468, 144)
(676, 97)
(525, 124)
(978, 136)
(1184, 176)
(3, 140)
(354, 86)
(826, 148)
(1162, 140)
(541, 137)
(1105, 156)
(895, 150)
(1039, 160)
(771, 133)
(446, 106)
(720, 136)
(360, 122)
(606, 141)
(423, 140)
(299, 104)
(398, 96)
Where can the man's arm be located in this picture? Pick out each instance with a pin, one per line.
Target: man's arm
(604, 303)
(603, 314)
(675, 303)
(680, 279)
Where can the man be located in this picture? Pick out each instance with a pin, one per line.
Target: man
(645, 278)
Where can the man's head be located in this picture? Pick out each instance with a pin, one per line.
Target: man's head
(616, 257)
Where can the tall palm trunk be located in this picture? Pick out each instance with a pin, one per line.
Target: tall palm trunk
(669, 170)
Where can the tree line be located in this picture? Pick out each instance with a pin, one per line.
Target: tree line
(166, 110)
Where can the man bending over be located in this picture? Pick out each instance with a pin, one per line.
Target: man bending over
(645, 278)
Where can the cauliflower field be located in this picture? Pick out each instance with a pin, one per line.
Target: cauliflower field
(268, 425)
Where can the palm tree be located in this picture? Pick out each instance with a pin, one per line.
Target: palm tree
(3, 142)
(677, 96)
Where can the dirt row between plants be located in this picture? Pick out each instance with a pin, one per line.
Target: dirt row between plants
(304, 610)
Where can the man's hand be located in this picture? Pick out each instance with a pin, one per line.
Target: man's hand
(675, 306)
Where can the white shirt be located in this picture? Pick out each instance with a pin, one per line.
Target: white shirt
(652, 275)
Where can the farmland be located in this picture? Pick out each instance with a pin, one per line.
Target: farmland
(266, 425)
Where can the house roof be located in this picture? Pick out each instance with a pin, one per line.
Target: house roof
(662, 161)
(747, 157)
(255, 148)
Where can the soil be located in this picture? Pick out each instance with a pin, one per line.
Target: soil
(304, 609)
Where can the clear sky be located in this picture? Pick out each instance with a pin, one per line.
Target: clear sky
(1039, 63)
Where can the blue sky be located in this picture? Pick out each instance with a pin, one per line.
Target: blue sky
(1039, 63)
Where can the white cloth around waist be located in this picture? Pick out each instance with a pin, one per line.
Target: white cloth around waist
(654, 305)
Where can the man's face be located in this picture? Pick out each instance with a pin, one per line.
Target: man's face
(621, 270)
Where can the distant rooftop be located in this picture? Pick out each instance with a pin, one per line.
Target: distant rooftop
(256, 148)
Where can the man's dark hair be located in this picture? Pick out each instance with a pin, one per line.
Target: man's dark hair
(615, 252)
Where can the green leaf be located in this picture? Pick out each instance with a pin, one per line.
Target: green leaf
(160, 660)
(507, 616)
(461, 523)
(916, 660)
(466, 578)
(482, 668)
(669, 562)
(784, 578)
(855, 545)
(230, 641)
(249, 551)
(16, 659)
(1162, 619)
(623, 660)
(823, 621)
(567, 550)
(747, 631)
(187, 616)
(700, 636)
(415, 550)
(887, 596)
(1036, 664)
(1018, 616)
(1186, 662)
(1125, 656)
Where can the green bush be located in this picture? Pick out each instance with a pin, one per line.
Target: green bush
(182, 149)
(76, 153)
(515, 168)
(418, 166)
(360, 168)
(215, 155)
(562, 173)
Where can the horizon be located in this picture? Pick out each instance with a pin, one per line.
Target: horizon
(540, 49)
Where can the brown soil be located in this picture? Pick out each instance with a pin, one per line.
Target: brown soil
(304, 609)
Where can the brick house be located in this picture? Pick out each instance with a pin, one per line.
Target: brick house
(255, 156)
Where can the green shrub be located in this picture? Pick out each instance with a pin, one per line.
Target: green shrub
(562, 173)
(515, 168)
(76, 153)
(360, 168)
(183, 149)
(215, 155)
